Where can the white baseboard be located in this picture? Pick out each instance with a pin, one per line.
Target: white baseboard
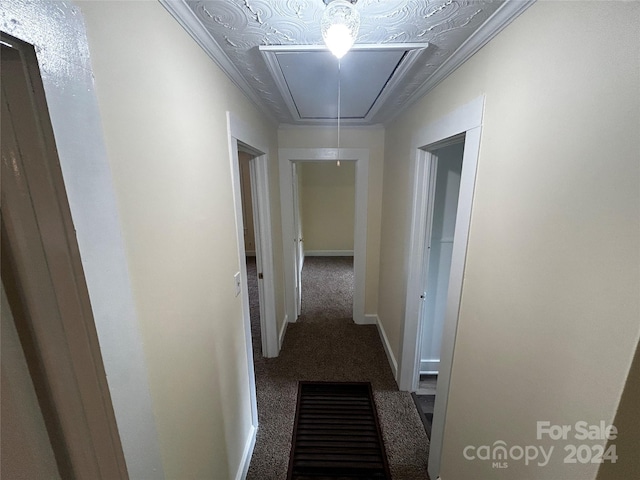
(283, 330)
(328, 253)
(241, 474)
(369, 319)
(385, 343)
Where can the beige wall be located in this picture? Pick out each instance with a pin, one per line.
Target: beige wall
(327, 205)
(163, 104)
(549, 317)
(372, 138)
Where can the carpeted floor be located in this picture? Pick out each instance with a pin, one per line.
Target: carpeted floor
(326, 345)
(327, 289)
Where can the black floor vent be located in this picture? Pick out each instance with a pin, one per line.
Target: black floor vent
(336, 434)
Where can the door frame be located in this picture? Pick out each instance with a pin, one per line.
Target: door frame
(465, 120)
(74, 113)
(47, 286)
(298, 240)
(286, 158)
(266, 293)
(243, 136)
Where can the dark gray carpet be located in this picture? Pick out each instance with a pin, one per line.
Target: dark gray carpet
(325, 345)
(425, 405)
(327, 289)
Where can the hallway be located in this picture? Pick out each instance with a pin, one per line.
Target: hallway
(328, 347)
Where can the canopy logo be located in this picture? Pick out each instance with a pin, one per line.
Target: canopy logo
(500, 453)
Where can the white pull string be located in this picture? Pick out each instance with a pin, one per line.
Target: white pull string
(338, 162)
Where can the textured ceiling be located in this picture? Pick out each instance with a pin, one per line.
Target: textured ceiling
(236, 28)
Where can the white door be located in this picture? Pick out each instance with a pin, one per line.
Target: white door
(298, 239)
(444, 201)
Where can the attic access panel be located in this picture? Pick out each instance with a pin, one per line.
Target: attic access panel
(312, 78)
(307, 77)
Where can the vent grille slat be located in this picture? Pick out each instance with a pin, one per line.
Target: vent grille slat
(337, 433)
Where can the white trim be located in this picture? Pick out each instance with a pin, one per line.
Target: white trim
(385, 343)
(370, 319)
(264, 253)
(328, 253)
(500, 19)
(298, 238)
(186, 17)
(361, 157)
(257, 221)
(237, 197)
(240, 131)
(283, 330)
(251, 140)
(245, 461)
(370, 47)
(294, 126)
(454, 294)
(466, 120)
(429, 366)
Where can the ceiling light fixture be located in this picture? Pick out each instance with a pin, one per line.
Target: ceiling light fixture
(339, 25)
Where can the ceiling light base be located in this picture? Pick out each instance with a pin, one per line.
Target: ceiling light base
(353, 2)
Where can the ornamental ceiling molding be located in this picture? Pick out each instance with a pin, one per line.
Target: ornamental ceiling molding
(230, 32)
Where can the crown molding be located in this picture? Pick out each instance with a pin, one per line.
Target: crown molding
(188, 19)
(502, 17)
(179, 10)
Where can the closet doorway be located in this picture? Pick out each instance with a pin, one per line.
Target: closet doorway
(444, 190)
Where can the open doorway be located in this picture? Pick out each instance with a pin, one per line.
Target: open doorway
(463, 123)
(324, 219)
(443, 196)
(243, 137)
(253, 265)
(288, 159)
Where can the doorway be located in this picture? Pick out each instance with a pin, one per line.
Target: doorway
(444, 189)
(253, 258)
(463, 123)
(447, 166)
(290, 230)
(324, 220)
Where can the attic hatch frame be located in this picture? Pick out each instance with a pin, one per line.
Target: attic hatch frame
(413, 52)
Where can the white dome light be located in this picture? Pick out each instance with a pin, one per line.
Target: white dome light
(340, 24)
